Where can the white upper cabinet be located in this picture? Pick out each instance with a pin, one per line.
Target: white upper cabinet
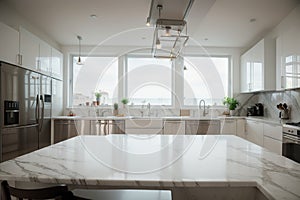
(44, 59)
(29, 49)
(9, 40)
(258, 67)
(288, 58)
(35, 53)
(57, 64)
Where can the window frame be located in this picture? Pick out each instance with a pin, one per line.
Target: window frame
(123, 84)
(132, 55)
(230, 75)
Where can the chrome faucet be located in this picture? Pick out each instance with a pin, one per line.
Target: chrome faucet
(149, 108)
(204, 112)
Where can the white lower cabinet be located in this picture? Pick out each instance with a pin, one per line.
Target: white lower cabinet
(228, 127)
(240, 128)
(174, 127)
(254, 132)
(273, 138)
(143, 126)
(273, 145)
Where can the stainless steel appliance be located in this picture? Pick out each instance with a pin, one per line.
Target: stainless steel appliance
(291, 141)
(25, 111)
(256, 110)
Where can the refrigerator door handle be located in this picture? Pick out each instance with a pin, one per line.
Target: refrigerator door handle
(37, 109)
(42, 114)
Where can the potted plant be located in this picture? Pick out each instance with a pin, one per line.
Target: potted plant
(124, 102)
(98, 95)
(231, 103)
(116, 107)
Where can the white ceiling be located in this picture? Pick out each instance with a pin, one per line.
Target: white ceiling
(225, 23)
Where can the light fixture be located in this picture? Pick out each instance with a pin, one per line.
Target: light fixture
(170, 33)
(79, 62)
(148, 21)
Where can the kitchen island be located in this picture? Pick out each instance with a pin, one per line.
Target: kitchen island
(175, 162)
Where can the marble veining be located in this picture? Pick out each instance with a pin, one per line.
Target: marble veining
(161, 161)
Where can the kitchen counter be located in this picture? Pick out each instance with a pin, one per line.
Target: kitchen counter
(128, 161)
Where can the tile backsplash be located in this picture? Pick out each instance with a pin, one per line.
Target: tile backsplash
(270, 101)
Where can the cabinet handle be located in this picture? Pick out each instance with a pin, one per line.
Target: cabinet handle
(19, 59)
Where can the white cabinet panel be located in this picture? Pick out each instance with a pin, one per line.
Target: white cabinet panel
(56, 64)
(174, 128)
(228, 127)
(240, 128)
(145, 131)
(273, 131)
(44, 58)
(255, 132)
(257, 67)
(273, 145)
(9, 40)
(29, 49)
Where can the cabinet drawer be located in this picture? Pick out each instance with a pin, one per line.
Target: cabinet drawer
(273, 131)
(143, 131)
(143, 123)
(273, 145)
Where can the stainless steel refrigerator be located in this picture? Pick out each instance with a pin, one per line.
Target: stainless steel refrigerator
(25, 108)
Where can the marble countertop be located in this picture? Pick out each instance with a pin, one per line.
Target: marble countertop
(134, 117)
(158, 161)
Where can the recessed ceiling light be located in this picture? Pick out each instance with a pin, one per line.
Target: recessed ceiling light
(93, 16)
(252, 20)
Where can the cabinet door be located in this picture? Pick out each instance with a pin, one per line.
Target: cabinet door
(44, 58)
(174, 127)
(9, 40)
(83, 127)
(255, 132)
(29, 49)
(273, 145)
(240, 128)
(56, 64)
(191, 127)
(228, 127)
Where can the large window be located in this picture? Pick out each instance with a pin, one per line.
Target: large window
(145, 80)
(205, 78)
(98, 74)
(149, 81)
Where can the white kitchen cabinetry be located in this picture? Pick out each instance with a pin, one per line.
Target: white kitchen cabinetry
(143, 126)
(288, 58)
(254, 132)
(240, 128)
(44, 59)
(228, 127)
(56, 64)
(9, 40)
(29, 49)
(257, 67)
(35, 54)
(174, 127)
(273, 138)
(202, 127)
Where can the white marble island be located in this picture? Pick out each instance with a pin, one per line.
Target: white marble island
(158, 161)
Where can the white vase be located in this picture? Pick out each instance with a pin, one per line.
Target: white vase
(231, 112)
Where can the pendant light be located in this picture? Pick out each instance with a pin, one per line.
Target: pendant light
(79, 62)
